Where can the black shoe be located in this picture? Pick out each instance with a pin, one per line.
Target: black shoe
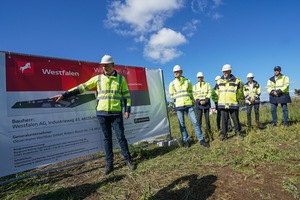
(274, 124)
(205, 144)
(224, 137)
(187, 144)
(230, 129)
(285, 125)
(239, 134)
(131, 165)
(108, 168)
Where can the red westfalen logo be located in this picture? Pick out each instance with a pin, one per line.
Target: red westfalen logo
(25, 68)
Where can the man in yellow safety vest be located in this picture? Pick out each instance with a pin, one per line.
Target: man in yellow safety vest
(181, 90)
(278, 88)
(229, 89)
(202, 94)
(112, 92)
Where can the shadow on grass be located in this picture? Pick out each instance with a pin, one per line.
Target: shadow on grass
(146, 154)
(199, 189)
(77, 192)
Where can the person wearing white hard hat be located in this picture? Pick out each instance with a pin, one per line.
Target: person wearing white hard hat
(202, 94)
(109, 110)
(181, 91)
(215, 98)
(252, 96)
(278, 88)
(229, 90)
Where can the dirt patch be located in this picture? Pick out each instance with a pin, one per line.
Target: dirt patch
(85, 181)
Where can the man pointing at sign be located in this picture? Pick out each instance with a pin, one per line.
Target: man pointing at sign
(112, 90)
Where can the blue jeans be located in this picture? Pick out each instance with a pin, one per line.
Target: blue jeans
(106, 123)
(285, 112)
(190, 112)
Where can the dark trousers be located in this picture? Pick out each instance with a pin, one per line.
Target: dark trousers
(256, 113)
(207, 134)
(106, 124)
(199, 114)
(234, 113)
(219, 118)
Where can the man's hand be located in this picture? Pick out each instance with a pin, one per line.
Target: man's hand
(126, 115)
(202, 102)
(57, 97)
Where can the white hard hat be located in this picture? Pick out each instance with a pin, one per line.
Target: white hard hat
(106, 59)
(217, 78)
(226, 67)
(200, 74)
(250, 75)
(176, 68)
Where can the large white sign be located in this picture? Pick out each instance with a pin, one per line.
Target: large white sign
(37, 131)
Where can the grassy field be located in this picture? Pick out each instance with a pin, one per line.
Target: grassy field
(266, 165)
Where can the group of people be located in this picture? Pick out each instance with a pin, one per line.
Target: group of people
(113, 94)
(226, 94)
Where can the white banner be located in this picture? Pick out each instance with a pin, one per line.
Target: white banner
(37, 131)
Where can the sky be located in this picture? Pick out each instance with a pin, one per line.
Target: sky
(199, 35)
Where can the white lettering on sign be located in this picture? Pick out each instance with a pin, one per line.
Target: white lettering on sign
(60, 72)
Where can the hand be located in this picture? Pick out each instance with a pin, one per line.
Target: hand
(126, 115)
(275, 94)
(202, 102)
(252, 100)
(57, 97)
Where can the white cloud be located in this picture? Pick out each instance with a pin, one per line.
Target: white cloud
(217, 3)
(141, 16)
(217, 16)
(199, 5)
(190, 27)
(207, 7)
(162, 47)
(144, 20)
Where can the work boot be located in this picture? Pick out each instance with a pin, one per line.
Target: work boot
(239, 134)
(108, 168)
(205, 144)
(131, 165)
(285, 124)
(259, 125)
(187, 144)
(224, 137)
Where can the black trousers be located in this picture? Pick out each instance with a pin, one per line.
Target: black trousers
(199, 114)
(234, 113)
(256, 113)
(219, 118)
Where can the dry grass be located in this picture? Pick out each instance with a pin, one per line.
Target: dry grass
(266, 165)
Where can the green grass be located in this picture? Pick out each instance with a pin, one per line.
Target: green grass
(266, 165)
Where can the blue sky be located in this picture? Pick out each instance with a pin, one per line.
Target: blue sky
(200, 35)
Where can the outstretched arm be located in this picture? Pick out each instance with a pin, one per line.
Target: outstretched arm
(57, 97)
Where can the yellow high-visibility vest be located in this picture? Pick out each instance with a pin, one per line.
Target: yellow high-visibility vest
(202, 91)
(253, 92)
(281, 83)
(111, 91)
(228, 91)
(181, 90)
